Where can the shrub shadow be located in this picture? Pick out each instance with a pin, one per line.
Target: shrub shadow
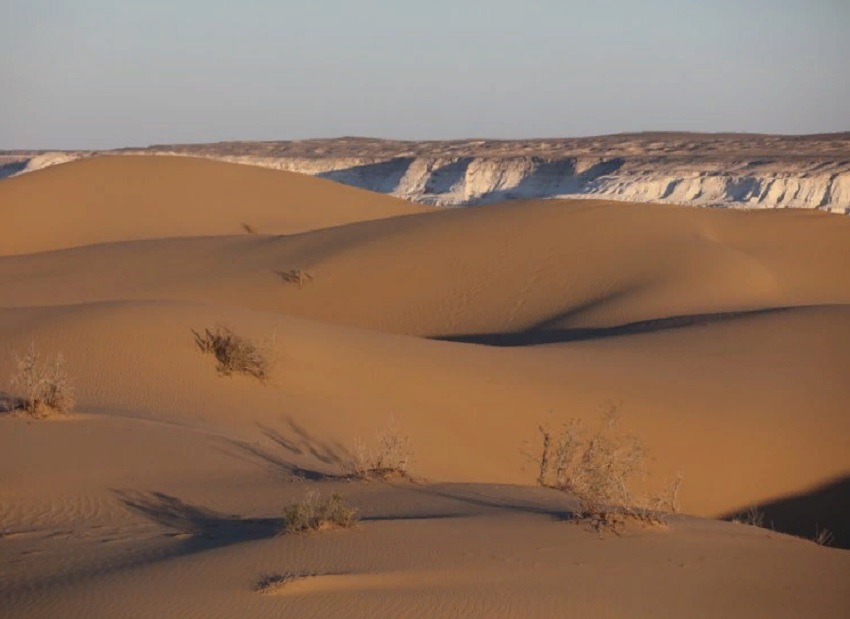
(470, 499)
(206, 528)
(294, 442)
(10, 404)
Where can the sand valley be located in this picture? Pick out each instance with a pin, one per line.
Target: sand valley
(719, 338)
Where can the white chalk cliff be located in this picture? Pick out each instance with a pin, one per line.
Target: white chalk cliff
(733, 170)
(472, 180)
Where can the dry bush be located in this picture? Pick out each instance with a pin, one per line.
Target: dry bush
(599, 467)
(236, 353)
(668, 499)
(754, 517)
(390, 457)
(272, 584)
(315, 514)
(296, 276)
(751, 516)
(44, 385)
(823, 537)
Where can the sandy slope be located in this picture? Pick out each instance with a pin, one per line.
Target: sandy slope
(100, 199)
(161, 496)
(541, 265)
(184, 527)
(741, 413)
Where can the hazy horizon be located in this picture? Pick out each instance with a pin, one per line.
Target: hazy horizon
(99, 75)
(438, 139)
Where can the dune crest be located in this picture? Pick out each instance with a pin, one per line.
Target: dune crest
(721, 339)
(103, 199)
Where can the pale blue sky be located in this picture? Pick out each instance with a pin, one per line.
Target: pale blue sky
(111, 73)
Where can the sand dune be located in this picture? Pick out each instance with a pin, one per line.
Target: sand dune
(723, 338)
(102, 199)
(742, 411)
(517, 267)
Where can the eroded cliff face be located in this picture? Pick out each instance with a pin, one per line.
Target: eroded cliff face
(697, 169)
(473, 180)
(14, 163)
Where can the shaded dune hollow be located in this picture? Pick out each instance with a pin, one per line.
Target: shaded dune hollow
(720, 338)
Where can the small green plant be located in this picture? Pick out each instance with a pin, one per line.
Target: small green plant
(236, 353)
(44, 384)
(599, 467)
(300, 277)
(316, 514)
(390, 457)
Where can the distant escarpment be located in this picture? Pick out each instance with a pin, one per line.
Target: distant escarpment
(726, 170)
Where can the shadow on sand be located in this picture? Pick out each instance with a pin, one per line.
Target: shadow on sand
(541, 333)
(204, 528)
(294, 442)
(10, 404)
(804, 515)
(482, 498)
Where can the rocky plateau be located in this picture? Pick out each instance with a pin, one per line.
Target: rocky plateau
(717, 170)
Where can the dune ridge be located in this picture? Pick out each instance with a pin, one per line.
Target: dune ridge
(721, 337)
(736, 170)
(98, 199)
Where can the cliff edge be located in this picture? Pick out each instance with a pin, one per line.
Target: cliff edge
(725, 170)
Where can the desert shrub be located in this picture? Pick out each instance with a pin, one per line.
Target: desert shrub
(236, 353)
(43, 383)
(752, 516)
(390, 456)
(599, 467)
(823, 537)
(300, 277)
(668, 499)
(272, 584)
(314, 514)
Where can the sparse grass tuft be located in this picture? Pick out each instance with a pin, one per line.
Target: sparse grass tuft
(272, 584)
(752, 516)
(316, 514)
(389, 458)
(598, 467)
(823, 537)
(300, 277)
(44, 384)
(236, 353)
